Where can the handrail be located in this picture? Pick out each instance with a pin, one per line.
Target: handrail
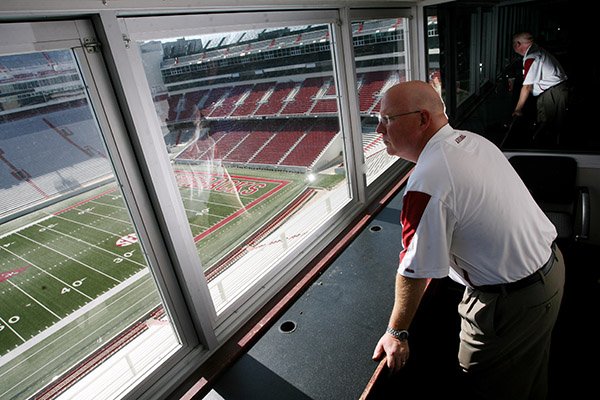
(369, 391)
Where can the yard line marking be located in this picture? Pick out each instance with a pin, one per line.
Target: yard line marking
(48, 273)
(69, 327)
(108, 205)
(91, 334)
(10, 327)
(47, 217)
(69, 257)
(91, 245)
(88, 226)
(243, 201)
(198, 226)
(194, 212)
(85, 201)
(34, 299)
(240, 211)
(215, 194)
(103, 216)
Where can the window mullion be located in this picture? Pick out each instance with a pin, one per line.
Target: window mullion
(126, 70)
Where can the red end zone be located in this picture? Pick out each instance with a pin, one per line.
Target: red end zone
(242, 185)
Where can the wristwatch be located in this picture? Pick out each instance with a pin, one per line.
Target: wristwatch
(401, 335)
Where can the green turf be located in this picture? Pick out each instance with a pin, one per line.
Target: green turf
(65, 256)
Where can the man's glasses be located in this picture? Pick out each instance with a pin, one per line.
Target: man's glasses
(386, 119)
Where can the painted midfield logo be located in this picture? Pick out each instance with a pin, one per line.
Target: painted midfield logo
(127, 240)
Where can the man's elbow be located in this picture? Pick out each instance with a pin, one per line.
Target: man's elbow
(527, 88)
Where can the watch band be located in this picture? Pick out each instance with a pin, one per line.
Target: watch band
(401, 335)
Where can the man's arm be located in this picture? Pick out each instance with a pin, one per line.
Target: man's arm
(409, 292)
(523, 95)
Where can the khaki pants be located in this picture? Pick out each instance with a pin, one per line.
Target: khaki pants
(552, 107)
(505, 338)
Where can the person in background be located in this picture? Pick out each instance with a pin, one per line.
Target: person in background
(466, 214)
(544, 78)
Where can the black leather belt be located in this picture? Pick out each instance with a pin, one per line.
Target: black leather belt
(523, 282)
(555, 86)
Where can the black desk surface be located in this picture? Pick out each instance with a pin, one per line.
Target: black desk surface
(341, 316)
(337, 323)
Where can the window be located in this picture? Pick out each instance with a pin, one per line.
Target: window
(147, 212)
(76, 292)
(256, 145)
(380, 56)
(433, 51)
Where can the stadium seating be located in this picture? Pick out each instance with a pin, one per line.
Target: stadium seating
(252, 144)
(286, 142)
(251, 102)
(304, 98)
(63, 151)
(274, 103)
(230, 101)
(237, 136)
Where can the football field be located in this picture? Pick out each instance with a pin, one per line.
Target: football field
(55, 266)
(58, 264)
(73, 275)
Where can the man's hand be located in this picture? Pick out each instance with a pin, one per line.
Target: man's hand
(395, 351)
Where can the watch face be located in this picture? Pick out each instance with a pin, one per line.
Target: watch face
(401, 335)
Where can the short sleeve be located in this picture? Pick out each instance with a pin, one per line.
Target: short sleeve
(427, 228)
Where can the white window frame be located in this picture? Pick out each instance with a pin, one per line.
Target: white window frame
(135, 86)
(368, 193)
(123, 102)
(79, 36)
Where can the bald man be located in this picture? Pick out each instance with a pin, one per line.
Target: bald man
(466, 214)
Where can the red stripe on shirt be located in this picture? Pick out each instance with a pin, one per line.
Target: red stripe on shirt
(413, 207)
(526, 66)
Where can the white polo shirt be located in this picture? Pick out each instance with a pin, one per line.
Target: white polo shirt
(541, 70)
(467, 214)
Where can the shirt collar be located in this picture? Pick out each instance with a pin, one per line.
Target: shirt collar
(442, 133)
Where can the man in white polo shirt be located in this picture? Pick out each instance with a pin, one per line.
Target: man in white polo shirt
(466, 214)
(544, 78)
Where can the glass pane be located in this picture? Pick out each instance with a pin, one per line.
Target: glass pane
(380, 57)
(464, 70)
(80, 313)
(432, 42)
(251, 125)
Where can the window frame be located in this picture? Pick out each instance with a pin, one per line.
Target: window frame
(124, 109)
(399, 167)
(78, 36)
(147, 28)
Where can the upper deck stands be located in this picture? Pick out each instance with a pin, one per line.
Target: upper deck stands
(248, 106)
(45, 155)
(295, 143)
(314, 95)
(230, 101)
(272, 102)
(304, 98)
(271, 142)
